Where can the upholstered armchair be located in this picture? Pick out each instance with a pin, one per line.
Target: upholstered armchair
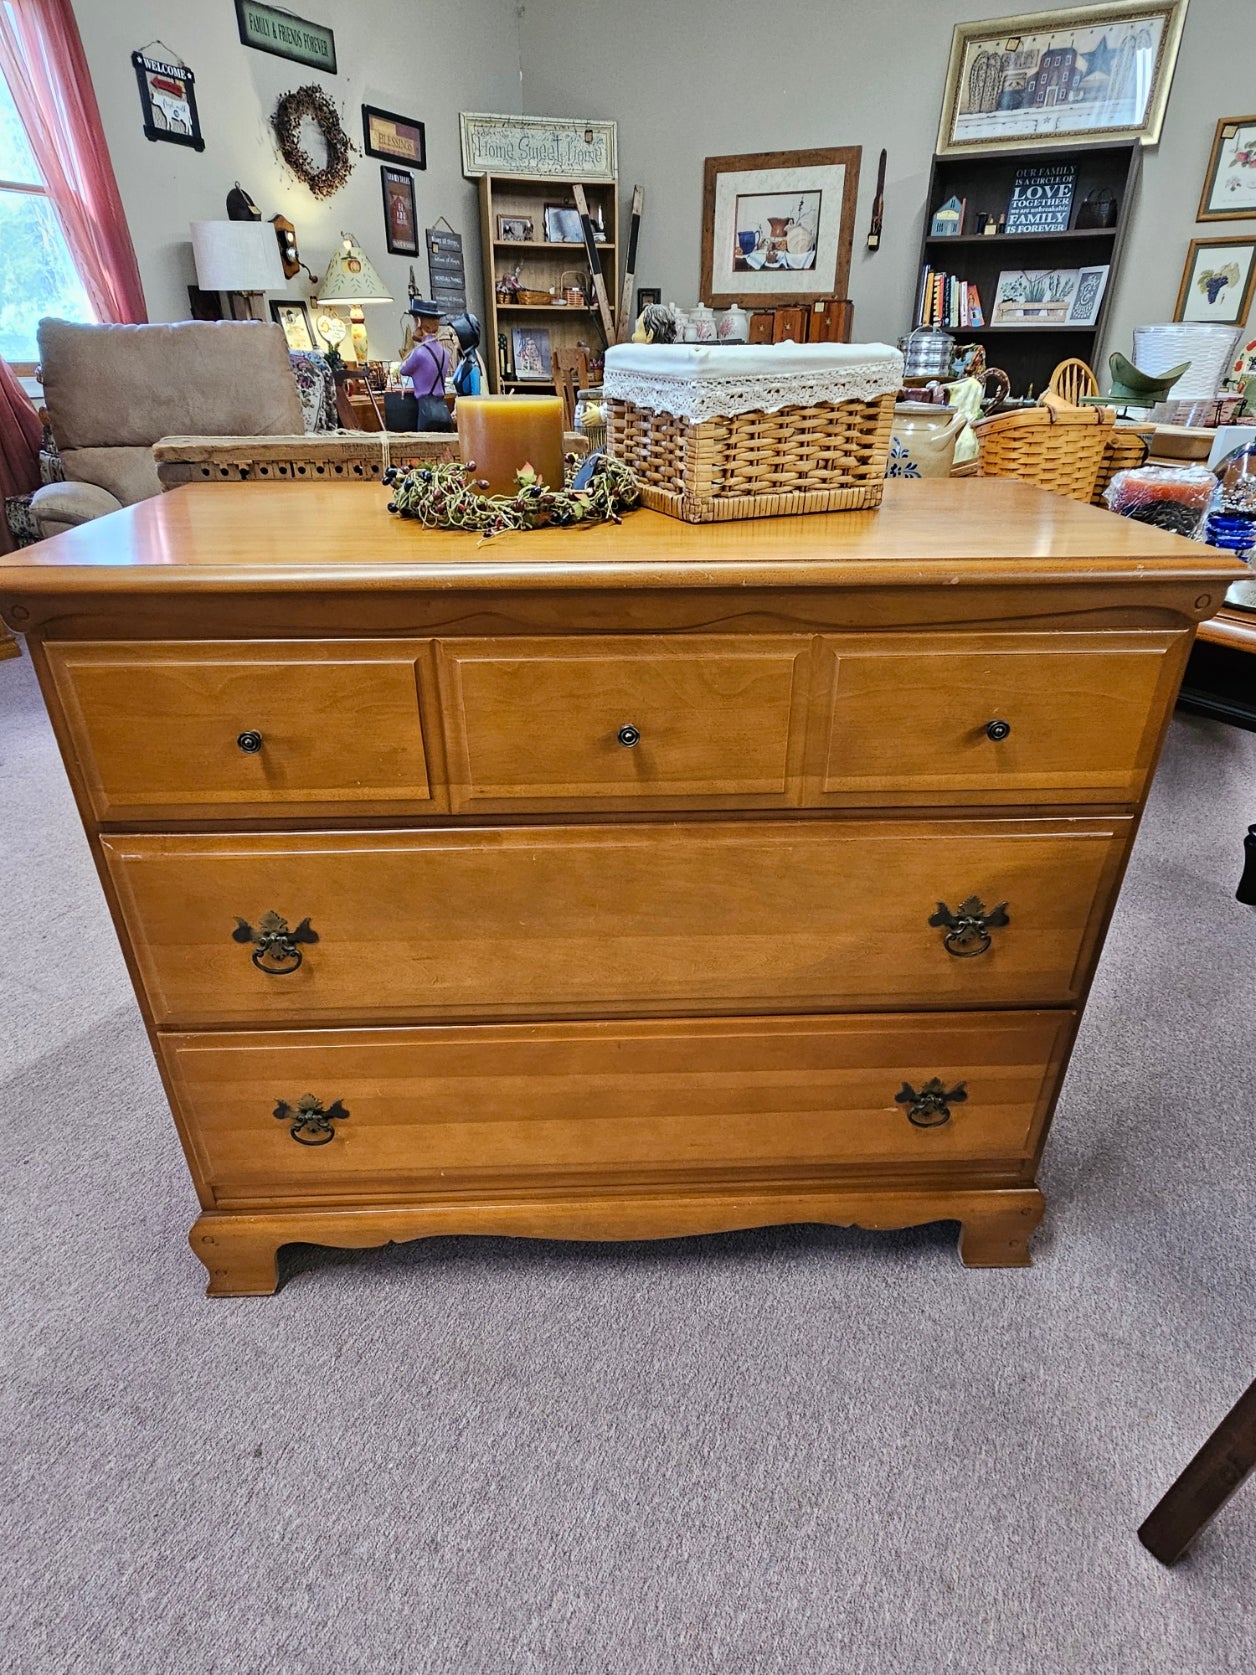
(112, 391)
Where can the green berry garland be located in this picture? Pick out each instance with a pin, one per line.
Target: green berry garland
(447, 497)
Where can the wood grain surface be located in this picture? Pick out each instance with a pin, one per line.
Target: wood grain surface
(590, 920)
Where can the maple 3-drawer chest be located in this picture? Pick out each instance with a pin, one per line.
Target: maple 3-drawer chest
(613, 883)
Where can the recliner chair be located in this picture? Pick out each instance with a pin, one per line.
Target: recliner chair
(112, 391)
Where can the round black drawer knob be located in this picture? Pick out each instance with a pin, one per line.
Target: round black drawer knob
(628, 736)
(250, 743)
(997, 730)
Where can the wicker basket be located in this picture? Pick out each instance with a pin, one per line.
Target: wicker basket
(532, 299)
(1061, 449)
(1126, 450)
(829, 458)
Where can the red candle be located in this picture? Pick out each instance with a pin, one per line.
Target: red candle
(502, 434)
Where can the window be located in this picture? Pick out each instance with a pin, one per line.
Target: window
(37, 276)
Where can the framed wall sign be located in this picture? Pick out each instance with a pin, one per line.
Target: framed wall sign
(777, 226)
(1217, 281)
(397, 139)
(446, 270)
(1082, 76)
(168, 98)
(401, 212)
(272, 29)
(563, 147)
(1230, 184)
(294, 316)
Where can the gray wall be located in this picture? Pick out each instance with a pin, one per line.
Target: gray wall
(685, 82)
(403, 55)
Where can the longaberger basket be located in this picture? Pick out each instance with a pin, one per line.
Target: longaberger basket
(720, 432)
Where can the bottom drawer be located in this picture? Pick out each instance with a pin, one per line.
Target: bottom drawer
(461, 1108)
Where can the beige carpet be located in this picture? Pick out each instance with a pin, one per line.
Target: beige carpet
(803, 1450)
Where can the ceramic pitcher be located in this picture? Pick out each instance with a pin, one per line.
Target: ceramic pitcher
(922, 441)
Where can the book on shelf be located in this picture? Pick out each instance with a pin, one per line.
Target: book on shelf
(946, 299)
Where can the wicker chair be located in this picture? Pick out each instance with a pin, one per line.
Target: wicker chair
(1073, 379)
(1059, 448)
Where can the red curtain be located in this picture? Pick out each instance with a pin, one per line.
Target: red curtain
(44, 64)
(20, 436)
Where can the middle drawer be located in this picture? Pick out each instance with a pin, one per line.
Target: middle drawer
(787, 915)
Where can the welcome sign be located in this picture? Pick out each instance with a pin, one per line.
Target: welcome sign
(271, 29)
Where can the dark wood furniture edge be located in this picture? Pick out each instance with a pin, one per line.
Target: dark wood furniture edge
(1193, 1500)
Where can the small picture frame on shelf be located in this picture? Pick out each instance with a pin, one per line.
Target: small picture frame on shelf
(530, 353)
(562, 224)
(515, 229)
(294, 316)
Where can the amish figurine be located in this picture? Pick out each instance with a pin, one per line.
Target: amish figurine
(657, 324)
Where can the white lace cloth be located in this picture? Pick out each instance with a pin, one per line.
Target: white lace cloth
(697, 381)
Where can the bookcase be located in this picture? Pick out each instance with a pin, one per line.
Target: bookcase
(543, 262)
(1028, 353)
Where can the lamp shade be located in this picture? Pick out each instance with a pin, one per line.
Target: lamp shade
(236, 256)
(351, 278)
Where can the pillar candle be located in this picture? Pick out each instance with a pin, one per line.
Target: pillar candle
(504, 433)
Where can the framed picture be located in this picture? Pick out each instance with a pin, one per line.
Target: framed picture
(530, 352)
(293, 315)
(1084, 76)
(1230, 184)
(515, 229)
(401, 213)
(1217, 281)
(562, 224)
(1088, 296)
(397, 139)
(168, 100)
(647, 294)
(1048, 297)
(777, 226)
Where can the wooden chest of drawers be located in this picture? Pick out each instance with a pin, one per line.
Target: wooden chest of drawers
(614, 883)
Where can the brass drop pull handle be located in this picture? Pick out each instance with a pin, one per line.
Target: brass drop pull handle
(931, 1107)
(998, 730)
(628, 736)
(250, 742)
(277, 950)
(968, 926)
(311, 1121)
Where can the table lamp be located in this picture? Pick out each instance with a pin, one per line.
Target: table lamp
(351, 279)
(237, 256)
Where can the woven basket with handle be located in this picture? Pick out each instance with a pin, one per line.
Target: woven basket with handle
(1061, 449)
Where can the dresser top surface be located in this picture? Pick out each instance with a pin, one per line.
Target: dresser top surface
(296, 537)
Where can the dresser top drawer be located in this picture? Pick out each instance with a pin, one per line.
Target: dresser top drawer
(705, 721)
(340, 1112)
(228, 729)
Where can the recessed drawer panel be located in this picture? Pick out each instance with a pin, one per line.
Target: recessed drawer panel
(332, 1113)
(536, 724)
(786, 915)
(226, 729)
(1005, 718)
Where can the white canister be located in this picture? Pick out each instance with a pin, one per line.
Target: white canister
(702, 320)
(733, 325)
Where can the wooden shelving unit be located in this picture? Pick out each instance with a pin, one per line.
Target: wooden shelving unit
(543, 263)
(1029, 354)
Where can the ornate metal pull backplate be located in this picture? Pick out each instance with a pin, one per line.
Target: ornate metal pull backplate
(968, 927)
(311, 1123)
(277, 949)
(931, 1107)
